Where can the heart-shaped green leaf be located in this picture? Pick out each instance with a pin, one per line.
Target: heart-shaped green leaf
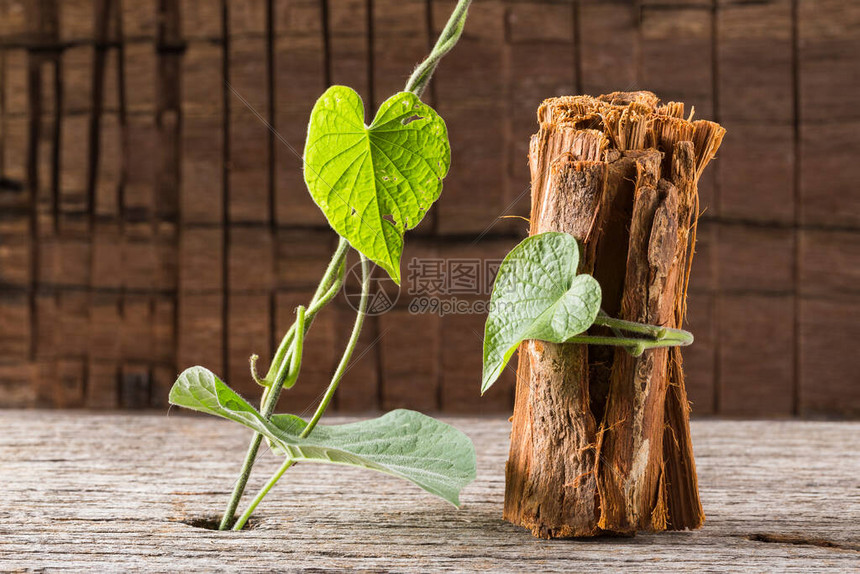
(429, 453)
(537, 295)
(373, 183)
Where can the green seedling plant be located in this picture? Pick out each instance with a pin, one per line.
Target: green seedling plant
(373, 183)
(539, 295)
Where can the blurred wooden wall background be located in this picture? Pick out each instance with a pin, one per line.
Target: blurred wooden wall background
(150, 221)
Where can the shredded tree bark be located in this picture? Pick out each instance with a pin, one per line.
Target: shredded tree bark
(601, 441)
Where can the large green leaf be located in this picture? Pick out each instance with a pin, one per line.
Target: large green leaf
(375, 182)
(435, 456)
(537, 295)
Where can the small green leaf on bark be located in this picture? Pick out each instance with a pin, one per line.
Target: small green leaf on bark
(537, 295)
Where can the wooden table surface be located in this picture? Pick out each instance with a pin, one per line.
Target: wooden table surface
(108, 492)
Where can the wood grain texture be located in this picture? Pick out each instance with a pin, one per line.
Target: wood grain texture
(121, 148)
(113, 492)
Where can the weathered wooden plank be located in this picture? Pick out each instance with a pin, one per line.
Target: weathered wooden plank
(14, 25)
(676, 55)
(754, 56)
(410, 342)
(462, 331)
(830, 262)
(77, 78)
(249, 331)
(102, 385)
(140, 19)
(540, 22)
(134, 385)
(140, 263)
(200, 331)
(16, 331)
(700, 358)
(107, 257)
(76, 20)
(536, 71)
(300, 78)
(249, 136)
(201, 19)
(201, 257)
(410, 359)
(472, 100)
(73, 325)
(166, 246)
(251, 259)
(756, 172)
(64, 261)
(168, 116)
(110, 158)
(349, 45)
(473, 199)
(828, 373)
(141, 69)
(16, 385)
(608, 43)
(830, 170)
(69, 383)
(15, 259)
(829, 54)
(755, 259)
(141, 154)
(756, 348)
(769, 489)
(136, 329)
(106, 322)
(164, 330)
(15, 85)
(363, 382)
(400, 41)
(201, 198)
(302, 258)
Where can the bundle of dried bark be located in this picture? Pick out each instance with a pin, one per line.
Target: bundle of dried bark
(600, 441)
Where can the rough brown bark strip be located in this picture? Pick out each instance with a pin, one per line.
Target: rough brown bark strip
(600, 440)
(547, 490)
(631, 457)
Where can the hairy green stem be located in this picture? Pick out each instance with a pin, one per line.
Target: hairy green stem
(332, 387)
(296, 352)
(239, 487)
(240, 523)
(347, 353)
(643, 329)
(634, 346)
(278, 371)
(655, 336)
(447, 40)
(602, 314)
(328, 288)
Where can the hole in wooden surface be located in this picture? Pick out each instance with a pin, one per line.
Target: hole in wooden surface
(213, 522)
